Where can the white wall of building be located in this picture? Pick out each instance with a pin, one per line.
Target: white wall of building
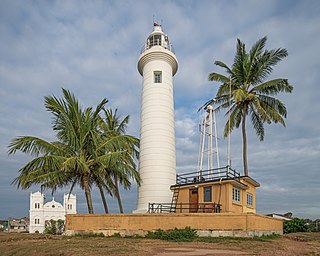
(40, 212)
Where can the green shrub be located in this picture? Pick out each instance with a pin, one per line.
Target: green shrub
(54, 227)
(178, 235)
(294, 225)
(91, 234)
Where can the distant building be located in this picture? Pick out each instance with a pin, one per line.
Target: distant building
(18, 225)
(280, 216)
(41, 212)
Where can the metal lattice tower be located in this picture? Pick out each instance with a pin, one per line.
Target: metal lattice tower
(208, 133)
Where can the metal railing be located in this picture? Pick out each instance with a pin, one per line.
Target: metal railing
(184, 207)
(207, 175)
(162, 43)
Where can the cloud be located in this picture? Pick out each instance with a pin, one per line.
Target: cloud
(92, 49)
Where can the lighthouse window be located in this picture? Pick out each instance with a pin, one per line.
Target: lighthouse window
(157, 77)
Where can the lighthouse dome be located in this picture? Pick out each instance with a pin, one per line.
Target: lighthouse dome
(157, 38)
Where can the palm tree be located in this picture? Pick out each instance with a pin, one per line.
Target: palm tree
(245, 90)
(125, 169)
(75, 157)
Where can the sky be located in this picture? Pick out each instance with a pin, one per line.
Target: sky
(92, 49)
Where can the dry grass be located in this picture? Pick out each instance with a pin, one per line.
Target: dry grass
(48, 245)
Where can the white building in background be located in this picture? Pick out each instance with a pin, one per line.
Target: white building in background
(157, 159)
(41, 212)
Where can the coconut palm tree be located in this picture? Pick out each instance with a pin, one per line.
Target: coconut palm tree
(124, 171)
(75, 157)
(245, 90)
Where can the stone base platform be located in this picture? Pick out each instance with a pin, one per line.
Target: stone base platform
(206, 224)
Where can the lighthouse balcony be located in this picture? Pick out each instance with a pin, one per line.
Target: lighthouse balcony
(157, 42)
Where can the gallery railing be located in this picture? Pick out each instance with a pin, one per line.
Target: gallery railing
(152, 43)
(207, 175)
(184, 208)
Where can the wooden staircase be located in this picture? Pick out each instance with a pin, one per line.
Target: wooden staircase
(174, 200)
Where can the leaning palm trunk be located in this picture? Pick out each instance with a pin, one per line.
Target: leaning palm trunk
(88, 193)
(103, 198)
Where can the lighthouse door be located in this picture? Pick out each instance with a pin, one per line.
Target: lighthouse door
(193, 200)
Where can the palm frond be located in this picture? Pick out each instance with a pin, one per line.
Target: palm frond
(273, 87)
(33, 146)
(235, 119)
(257, 124)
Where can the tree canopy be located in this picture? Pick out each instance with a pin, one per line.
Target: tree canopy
(82, 154)
(245, 92)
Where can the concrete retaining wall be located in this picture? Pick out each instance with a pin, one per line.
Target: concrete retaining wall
(206, 224)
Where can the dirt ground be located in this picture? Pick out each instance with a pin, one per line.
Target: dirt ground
(47, 245)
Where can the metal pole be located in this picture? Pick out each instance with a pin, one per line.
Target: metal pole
(202, 143)
(216, 140)
(210, 138)
(200, 147)
(229, 135)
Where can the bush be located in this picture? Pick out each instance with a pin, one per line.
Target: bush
(294, 225)
(89, 235)
(54, 227)
(178, 235)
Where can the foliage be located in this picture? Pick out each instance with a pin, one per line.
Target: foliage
(124, 171)
(83, 153)
(89, 235)
(313, 226)
(54, 227)
(178, 235)
(118, 235)
(245, 90)
(294, 225)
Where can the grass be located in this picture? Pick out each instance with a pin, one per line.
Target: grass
(96, 245)
(263, 238)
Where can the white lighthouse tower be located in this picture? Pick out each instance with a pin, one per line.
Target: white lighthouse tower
(157, 166)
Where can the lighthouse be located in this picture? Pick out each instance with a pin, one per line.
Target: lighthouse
(157, 162)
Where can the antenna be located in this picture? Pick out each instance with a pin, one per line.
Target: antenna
(229, 132)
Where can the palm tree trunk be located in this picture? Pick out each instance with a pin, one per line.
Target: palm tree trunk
(88, 193)
(104, 201)
(117, 194)
(244, 141)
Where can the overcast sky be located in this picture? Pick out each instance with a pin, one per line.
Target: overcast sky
(92, 49)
